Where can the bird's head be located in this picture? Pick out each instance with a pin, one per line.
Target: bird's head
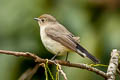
(45, 19)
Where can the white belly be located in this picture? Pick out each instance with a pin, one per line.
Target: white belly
(51, 45)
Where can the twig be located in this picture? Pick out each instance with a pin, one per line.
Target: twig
(28, 74)
(64, 63)
(25, 74)
(113, 65)
(62, 72)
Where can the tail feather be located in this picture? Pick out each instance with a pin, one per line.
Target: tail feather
(84, 51)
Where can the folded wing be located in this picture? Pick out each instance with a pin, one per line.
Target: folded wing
(63, 36)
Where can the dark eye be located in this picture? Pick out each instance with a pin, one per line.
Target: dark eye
(43, 20)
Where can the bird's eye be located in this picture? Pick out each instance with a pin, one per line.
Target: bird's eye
(43, 20)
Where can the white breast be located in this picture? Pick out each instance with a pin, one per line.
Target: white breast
(50, 44)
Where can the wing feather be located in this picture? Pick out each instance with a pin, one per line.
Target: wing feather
(63, 36)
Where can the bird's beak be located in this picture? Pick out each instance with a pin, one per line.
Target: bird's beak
(37, 19)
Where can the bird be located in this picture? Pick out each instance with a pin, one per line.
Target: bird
(58, 40)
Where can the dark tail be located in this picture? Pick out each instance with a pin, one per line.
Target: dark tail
(84, 51)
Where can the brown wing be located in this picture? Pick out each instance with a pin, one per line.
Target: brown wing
(68, 40)
(62, 36)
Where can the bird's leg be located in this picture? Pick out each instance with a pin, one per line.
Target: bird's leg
(53, 58)
(66, 57)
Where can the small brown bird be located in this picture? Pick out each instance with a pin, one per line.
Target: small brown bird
(58, 40)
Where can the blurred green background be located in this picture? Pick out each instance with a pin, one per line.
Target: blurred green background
(97, 22)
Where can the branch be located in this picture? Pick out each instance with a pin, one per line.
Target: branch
(28, 74)
(64, 63)
(113, 65)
